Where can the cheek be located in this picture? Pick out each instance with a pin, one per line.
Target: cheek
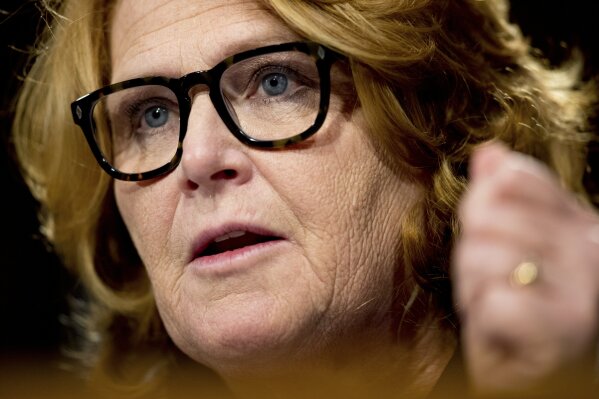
(350, 206)
(147, 211)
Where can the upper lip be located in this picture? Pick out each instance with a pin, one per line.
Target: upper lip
(220, 233)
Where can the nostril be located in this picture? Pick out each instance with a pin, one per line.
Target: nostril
(192, 185)
(226, 174)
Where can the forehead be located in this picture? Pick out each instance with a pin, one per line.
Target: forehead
(175, 37)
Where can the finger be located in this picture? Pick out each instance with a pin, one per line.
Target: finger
(478, 267)
(518, 337)
(567, 244)
(516, 224)
(484, 261)
(485, 159)
(495, 239)
(507, 340)
(501, 175)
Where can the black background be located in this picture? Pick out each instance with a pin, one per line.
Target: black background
(33, 285)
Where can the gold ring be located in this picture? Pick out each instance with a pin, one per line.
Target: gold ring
(525, 274)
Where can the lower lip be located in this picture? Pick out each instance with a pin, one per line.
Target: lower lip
(237, 259)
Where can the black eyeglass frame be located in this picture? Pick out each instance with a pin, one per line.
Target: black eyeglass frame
(82, 108)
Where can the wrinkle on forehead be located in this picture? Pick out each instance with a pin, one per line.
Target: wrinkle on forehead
(160, 37)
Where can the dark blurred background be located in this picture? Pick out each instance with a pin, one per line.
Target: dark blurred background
(33, 286)
(32, 283)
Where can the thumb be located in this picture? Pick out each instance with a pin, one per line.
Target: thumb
(486, 159)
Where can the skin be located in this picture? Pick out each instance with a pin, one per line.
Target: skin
(328, 286)
(537, 337)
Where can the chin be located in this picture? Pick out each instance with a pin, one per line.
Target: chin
(245, 335)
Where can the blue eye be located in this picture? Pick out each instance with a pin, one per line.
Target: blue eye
(156, 117)
(274, 84)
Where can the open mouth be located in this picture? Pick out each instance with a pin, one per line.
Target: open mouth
(235, 240)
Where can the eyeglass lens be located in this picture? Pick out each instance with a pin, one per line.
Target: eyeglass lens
(269, 97)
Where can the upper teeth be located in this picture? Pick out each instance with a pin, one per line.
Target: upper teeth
(232, 234)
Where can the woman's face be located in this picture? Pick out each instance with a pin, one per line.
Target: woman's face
(308, 236)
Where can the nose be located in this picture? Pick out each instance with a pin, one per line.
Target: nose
(213, 159)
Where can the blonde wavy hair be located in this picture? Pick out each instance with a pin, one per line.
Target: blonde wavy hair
(435, 78)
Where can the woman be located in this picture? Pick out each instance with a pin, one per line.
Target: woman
(280, 188)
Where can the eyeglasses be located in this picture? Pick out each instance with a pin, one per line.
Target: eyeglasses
(269, 97)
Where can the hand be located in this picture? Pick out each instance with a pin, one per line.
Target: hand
(527, 333)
